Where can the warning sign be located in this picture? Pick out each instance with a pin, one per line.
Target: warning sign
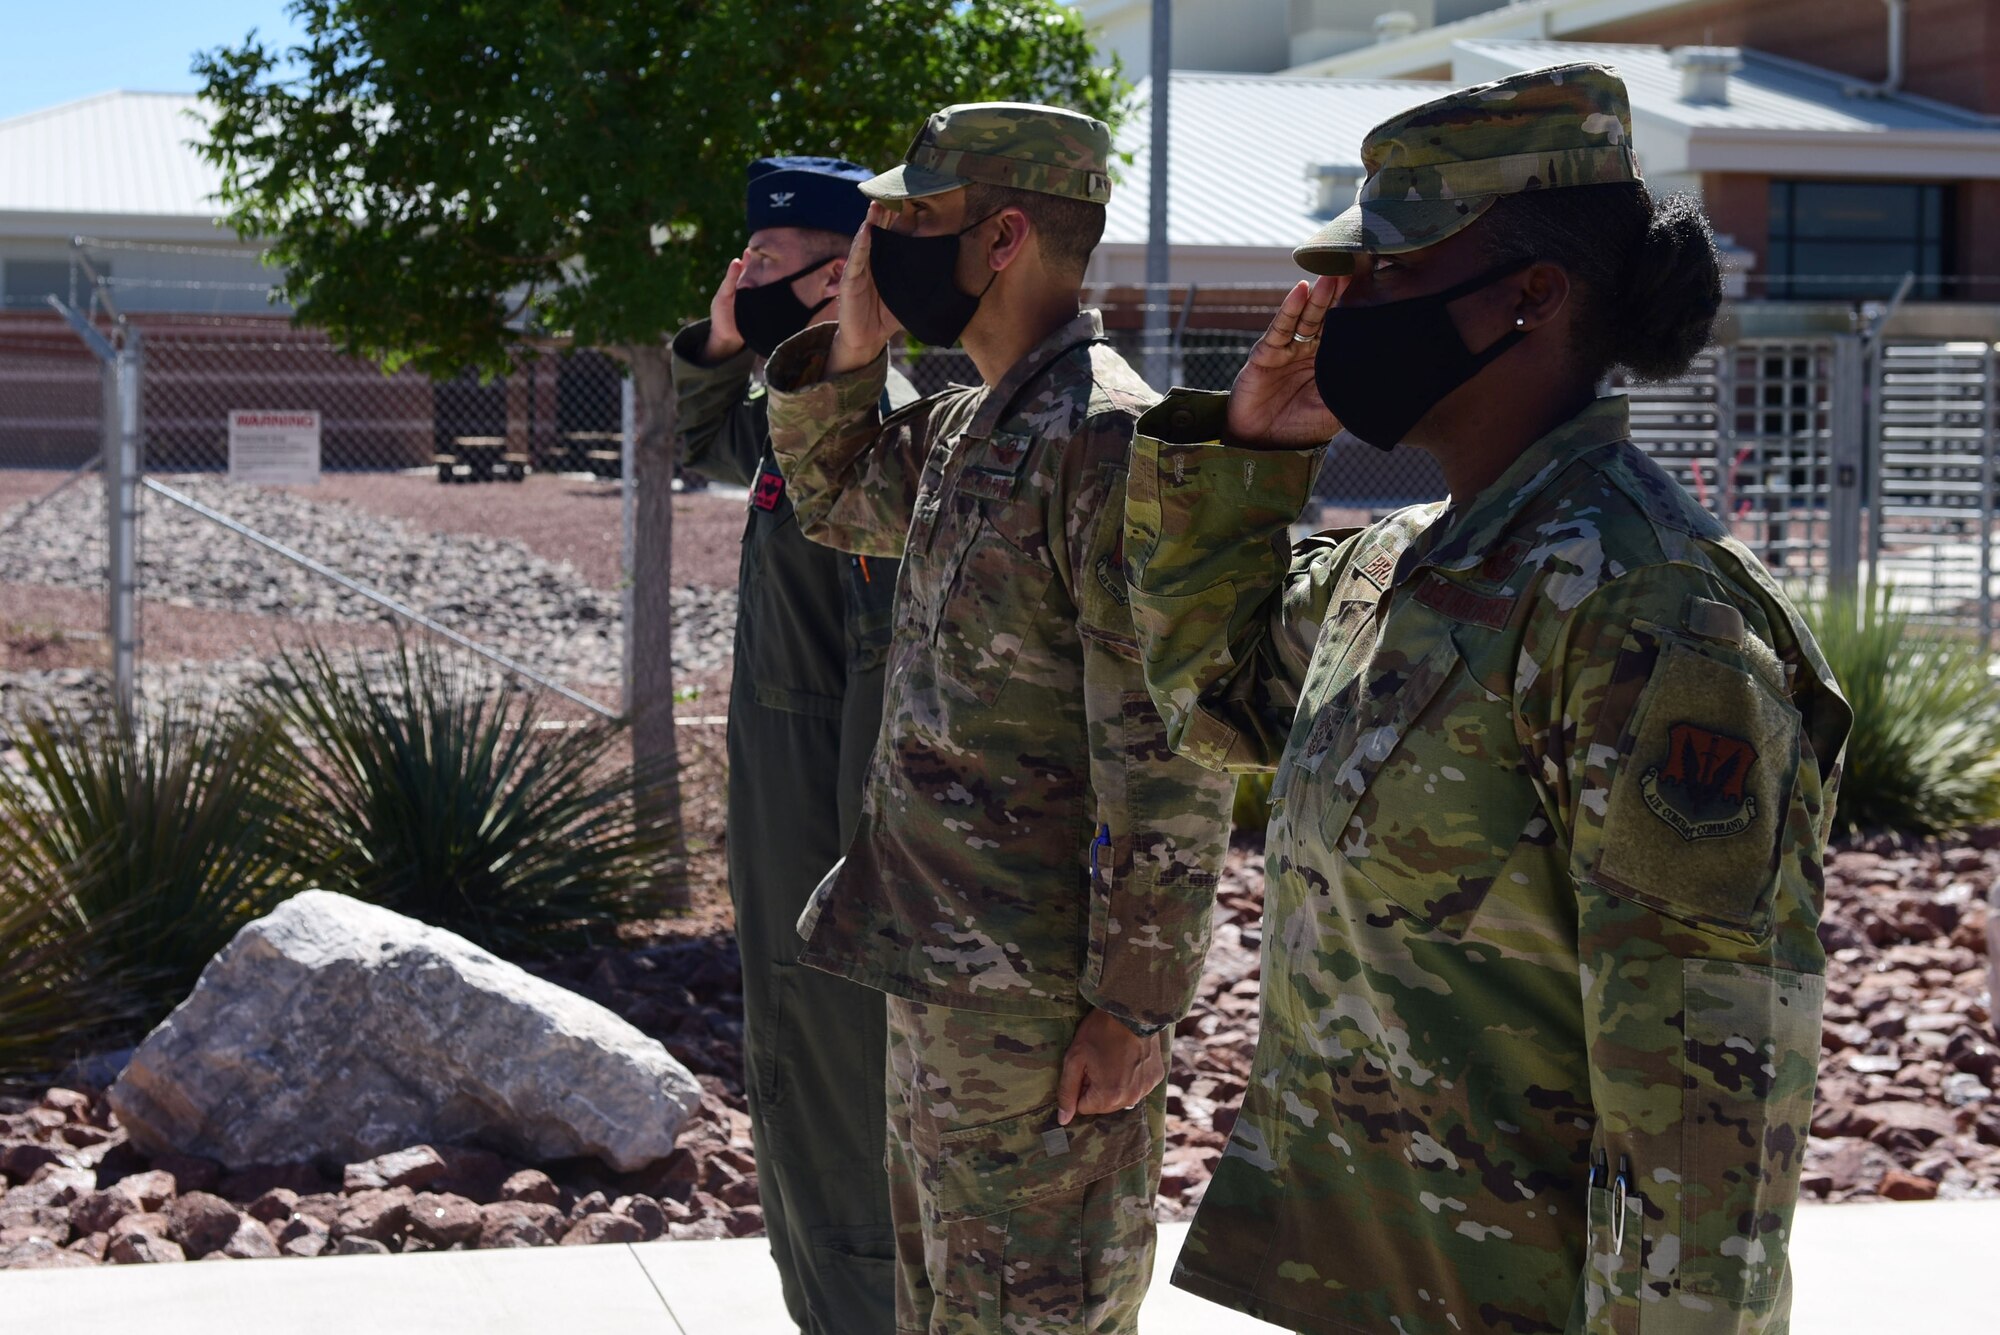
(273, 447)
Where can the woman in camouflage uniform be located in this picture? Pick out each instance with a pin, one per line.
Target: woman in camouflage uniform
(1555, 764)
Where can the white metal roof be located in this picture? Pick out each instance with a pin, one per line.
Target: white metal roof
(125, 154)
(1241, 144)
(1768, 93)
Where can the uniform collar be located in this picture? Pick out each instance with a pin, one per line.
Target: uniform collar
(999, 400)
(1460, 541)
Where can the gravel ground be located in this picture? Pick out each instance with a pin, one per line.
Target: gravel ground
(494, 562)
(1909, 1103)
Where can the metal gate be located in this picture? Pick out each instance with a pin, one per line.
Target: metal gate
(1933, 498)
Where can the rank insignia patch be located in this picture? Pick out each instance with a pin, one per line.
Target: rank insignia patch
(1701, 788)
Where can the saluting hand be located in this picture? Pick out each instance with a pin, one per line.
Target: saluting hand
(725, 340)
(1107, 1068)
(1275, 401)
(865, 323)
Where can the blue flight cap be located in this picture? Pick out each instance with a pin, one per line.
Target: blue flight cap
(820, 193)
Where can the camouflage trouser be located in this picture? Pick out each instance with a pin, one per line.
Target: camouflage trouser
(1006, 1222)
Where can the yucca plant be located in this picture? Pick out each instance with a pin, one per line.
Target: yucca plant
(56, 1003)
(444, 798)
(1924, 756)
(132, 852)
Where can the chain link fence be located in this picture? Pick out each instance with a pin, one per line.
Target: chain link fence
(489, 508)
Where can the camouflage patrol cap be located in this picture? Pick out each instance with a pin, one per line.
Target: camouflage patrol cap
(1434, 169)
(1019, 144)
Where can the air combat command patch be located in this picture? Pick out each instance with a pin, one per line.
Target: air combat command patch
(1700, 790)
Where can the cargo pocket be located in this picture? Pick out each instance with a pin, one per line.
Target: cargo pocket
(994, 597)
(1751, 1057)
(1013, 1193)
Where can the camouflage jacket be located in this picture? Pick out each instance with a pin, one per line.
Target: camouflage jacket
(807, 618)
(1542, 982)
(1029, 844)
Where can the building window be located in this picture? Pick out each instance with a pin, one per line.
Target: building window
(1842, 240)
(28, 284)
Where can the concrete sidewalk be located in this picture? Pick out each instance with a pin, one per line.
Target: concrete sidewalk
(1861, 1270)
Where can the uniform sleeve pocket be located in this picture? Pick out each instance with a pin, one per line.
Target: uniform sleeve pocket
(1001, 1166)
(1690, 799)
(1750, 1060)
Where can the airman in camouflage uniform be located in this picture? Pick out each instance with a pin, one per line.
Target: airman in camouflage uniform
(1555, 771)
(1035, 869)
(805, 705)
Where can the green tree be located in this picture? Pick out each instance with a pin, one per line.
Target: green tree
(442, 183)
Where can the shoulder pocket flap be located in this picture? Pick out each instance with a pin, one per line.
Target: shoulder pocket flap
(986, 1170)
(1695, 809)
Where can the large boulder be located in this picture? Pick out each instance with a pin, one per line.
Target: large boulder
(335, 1030)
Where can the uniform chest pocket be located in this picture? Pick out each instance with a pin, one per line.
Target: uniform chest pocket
(1419, 788)
(992, 600)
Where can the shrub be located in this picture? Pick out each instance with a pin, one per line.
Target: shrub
(1924, 756)
(133, 852)
(443, 798)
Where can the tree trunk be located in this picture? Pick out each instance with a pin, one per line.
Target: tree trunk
(652, 628)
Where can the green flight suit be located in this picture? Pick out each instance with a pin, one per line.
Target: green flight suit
(805, 705)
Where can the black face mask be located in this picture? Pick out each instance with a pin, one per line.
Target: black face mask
(766, 316)
(917, 277)
(1381, 368)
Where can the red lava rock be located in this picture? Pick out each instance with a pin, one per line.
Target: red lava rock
(595, 1203)
(152, 1189)
(746, 1221)
(251, 1242)
(359, 1246)
(520, 1224)
(596, 1228)
(274, 1206)
(136, 1248)
(55, 1185)
(41, 1254)
(304, 1235)
(20, 1159)
(23, 1223)
(740, 1193)
(643, 1211)
(98, 1211)
(71, 1103)
(327, 1207)
(418, 1166)
(1897, 1185)
(91, 1245)
(698, 1230)
(377, 1215)
(531, 1185)
(201, 1223)
(190, 1172)
(444, 1220)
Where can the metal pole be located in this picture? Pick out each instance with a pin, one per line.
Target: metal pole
(1846, 459)
(1158, 360)
(124, 380)
(628, 513)
(400, 609)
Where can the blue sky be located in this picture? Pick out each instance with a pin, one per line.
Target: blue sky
(60, 50)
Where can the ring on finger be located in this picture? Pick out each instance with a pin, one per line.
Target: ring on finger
(1305, 338)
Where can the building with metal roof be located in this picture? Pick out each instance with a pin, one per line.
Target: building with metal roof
(120, 170)
(1809, 183)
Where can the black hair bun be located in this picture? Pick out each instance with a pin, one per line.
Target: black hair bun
(1673, 290)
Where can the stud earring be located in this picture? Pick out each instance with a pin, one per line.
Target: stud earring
(1520, 322)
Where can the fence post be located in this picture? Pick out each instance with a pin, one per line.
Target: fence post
(1847, 460)
(124, 381)
(628, 431)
